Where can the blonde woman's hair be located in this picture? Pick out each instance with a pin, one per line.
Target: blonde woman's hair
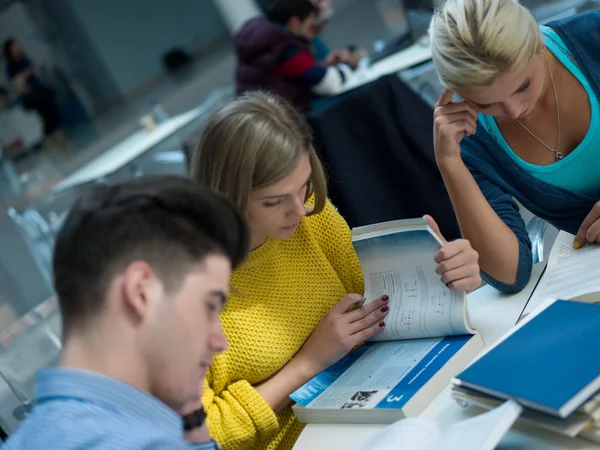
(473, 41)
(252, 143)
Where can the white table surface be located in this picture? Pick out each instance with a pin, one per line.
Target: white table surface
(417, 53)
(127, 150)
(493, 314)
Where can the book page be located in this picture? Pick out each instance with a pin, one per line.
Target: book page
(406, 434)
(482, 432)
(570, 273)
(401, 265)
(571, 426)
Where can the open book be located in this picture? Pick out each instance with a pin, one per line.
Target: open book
(482, 432)
(427, 338)
(570, 274)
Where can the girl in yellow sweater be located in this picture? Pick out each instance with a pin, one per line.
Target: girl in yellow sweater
(296, 305)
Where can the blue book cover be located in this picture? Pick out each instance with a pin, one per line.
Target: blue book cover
(549, 364)
(379, 375)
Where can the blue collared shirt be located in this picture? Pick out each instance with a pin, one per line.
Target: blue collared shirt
(81, 410)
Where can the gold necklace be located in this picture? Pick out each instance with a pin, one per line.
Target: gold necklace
(558, 155)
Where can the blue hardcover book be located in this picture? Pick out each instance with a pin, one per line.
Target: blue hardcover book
(549, 363)
(427, 339)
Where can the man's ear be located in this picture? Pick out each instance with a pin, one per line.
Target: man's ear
(141, 289)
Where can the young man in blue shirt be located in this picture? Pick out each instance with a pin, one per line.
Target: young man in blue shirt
(141, 270)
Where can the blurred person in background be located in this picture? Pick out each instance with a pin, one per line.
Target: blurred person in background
(34, 95)
(275, 53)
(320, 49)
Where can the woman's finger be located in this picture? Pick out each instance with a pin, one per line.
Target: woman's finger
(445, 98)
(590, 219)
(458, 107)
(593, 232)
(365, 310)
(463, 115)
(460, 273)
(465, 278)
(369, 321)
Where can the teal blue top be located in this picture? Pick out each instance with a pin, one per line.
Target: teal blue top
(578, 171)
(502, 180)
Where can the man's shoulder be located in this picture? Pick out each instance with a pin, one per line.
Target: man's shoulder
(89, 429)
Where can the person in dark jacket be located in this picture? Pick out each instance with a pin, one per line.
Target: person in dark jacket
(34, 95)
(274, 54)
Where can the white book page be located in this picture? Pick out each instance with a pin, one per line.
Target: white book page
(570, 273)
(406, 434)
(401, 265)
(482, 432)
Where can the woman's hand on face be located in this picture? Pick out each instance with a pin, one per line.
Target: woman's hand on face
(458, 262)
(341, 330)
(589, 231)
(451, 123)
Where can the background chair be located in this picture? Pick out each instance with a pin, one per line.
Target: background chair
(377, 148)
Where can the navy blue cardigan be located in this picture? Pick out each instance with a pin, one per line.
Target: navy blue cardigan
(500, 178)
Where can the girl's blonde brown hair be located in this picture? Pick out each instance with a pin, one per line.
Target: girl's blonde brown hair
(252, 143)
(473, 41)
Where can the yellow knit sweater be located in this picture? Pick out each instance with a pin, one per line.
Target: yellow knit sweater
(279, 296)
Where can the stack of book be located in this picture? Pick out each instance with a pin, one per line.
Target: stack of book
(548, 364)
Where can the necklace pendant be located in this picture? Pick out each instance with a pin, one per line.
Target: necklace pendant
(559, 156)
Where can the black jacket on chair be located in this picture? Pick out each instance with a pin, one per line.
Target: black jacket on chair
(376, 144)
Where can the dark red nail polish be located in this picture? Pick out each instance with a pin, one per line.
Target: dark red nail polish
(385, 298)
(381, 324)
(385, 309)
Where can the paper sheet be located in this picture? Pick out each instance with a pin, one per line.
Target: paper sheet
(570, 273)
(482, 432)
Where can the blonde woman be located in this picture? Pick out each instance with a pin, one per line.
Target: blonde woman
(527, 127)
(297, 304)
